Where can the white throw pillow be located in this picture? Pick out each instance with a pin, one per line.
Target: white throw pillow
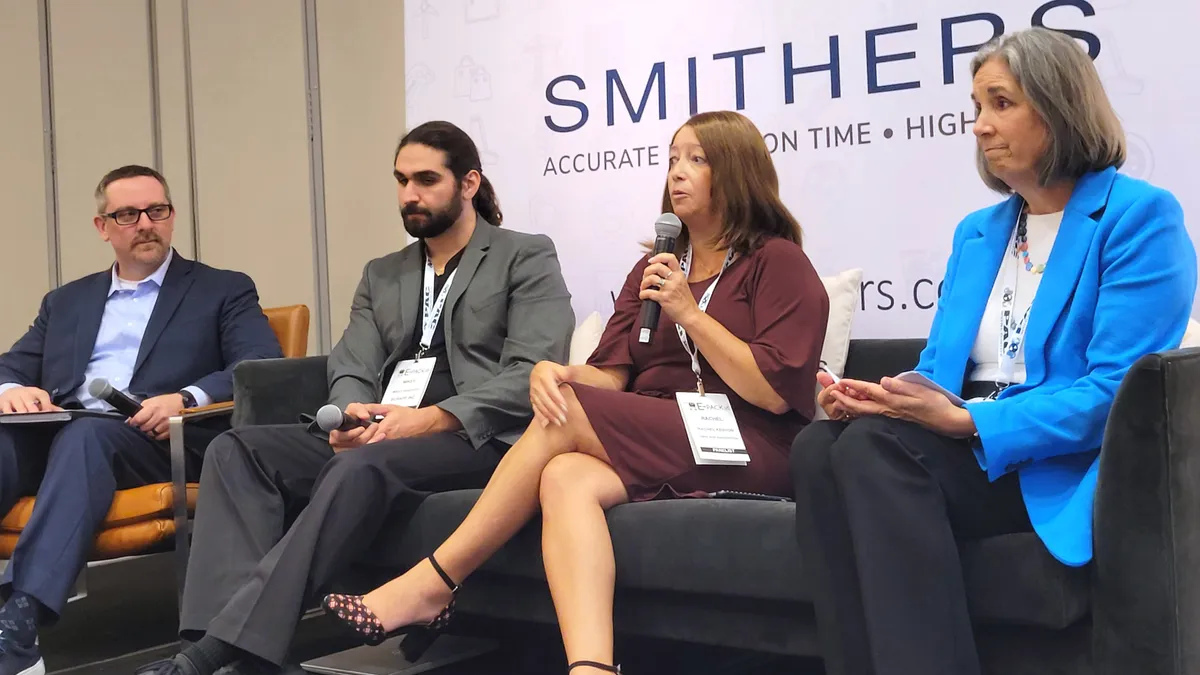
(585, 339)
(1191, 337)
(845, 295)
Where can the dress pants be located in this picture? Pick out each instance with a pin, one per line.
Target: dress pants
(879, 505)
(281, 516)
(74, 471)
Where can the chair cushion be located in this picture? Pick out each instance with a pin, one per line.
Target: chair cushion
(845, 293)
(585, 339)
(748, 550)
(290, 325)
(129, 507)
(136, 539)
(1191, 337)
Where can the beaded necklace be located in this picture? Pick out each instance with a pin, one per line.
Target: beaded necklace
(1021, 245)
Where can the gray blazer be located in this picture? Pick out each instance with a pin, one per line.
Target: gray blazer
(508, 309)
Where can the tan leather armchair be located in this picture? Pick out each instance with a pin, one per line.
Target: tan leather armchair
(145, 519)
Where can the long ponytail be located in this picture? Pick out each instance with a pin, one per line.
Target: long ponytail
(486, 203)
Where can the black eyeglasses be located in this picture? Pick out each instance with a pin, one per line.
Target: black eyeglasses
(126, 217)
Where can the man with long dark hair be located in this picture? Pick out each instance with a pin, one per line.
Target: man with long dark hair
(441, 341)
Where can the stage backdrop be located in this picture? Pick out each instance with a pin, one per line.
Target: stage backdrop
(864, 103)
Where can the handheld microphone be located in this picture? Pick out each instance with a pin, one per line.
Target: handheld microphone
(330, 418)
(666, 232)
(122, 402)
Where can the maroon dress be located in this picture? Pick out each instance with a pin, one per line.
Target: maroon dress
(773, 300)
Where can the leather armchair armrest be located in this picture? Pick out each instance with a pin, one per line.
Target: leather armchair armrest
(1146, 590)
(277, 391)
(206, 411)
(178, 450)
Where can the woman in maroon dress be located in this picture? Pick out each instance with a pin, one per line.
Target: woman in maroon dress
(612, 432)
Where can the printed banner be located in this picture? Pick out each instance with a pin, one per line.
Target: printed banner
(865, 105)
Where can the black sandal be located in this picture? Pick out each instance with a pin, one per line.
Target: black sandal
(592, 664)
(350, 610)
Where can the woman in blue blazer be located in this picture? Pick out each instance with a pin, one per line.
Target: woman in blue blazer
(1049, 297)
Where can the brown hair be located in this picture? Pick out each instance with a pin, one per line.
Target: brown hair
(745, 187)
(129, 171)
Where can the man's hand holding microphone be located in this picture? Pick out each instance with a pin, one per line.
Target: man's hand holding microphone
(365, 423)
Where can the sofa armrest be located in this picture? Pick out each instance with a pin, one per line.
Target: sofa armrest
(871, 360)
(278, 391)
(1146, 591)
(207, 411)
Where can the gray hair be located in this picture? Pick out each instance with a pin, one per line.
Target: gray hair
(129, 171)
(1064, 88)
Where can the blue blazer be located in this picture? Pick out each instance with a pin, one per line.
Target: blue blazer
(1119, 284)
(204, 322)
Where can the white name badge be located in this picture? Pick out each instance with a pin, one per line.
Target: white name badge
(712, 429)
(409, 381)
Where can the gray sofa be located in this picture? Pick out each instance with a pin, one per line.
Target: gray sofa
(729, 572)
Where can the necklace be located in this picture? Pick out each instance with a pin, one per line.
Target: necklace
(707, 272)
(1021, 245)
(704, 273)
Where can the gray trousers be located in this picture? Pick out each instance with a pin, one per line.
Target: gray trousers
(281, 516)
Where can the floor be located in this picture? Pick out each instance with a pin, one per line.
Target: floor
(107, 633)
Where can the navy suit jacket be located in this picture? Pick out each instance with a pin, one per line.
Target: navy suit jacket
(204, 322)
(1119, 284)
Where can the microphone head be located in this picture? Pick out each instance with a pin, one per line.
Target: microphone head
(100, 389)
(329, 418)
(668, 225)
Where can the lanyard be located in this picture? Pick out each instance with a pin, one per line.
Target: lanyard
(1012, 333)
(703, 305)
(432, 308)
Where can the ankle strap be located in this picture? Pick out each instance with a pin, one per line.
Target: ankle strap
(592, 664)
(442, 573)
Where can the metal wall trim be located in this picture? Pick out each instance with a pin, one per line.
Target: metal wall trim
(54, 258)
(191, 132)
(316, 164)
(155, 102)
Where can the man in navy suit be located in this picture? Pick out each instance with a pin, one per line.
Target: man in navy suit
(162, 328)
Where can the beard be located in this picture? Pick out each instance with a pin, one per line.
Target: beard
(433, 223)
(158, 250)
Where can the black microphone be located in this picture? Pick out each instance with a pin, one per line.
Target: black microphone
(330, 418)
(123, 403)
(666, 232)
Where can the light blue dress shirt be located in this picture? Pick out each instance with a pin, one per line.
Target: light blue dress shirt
(126, 314)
